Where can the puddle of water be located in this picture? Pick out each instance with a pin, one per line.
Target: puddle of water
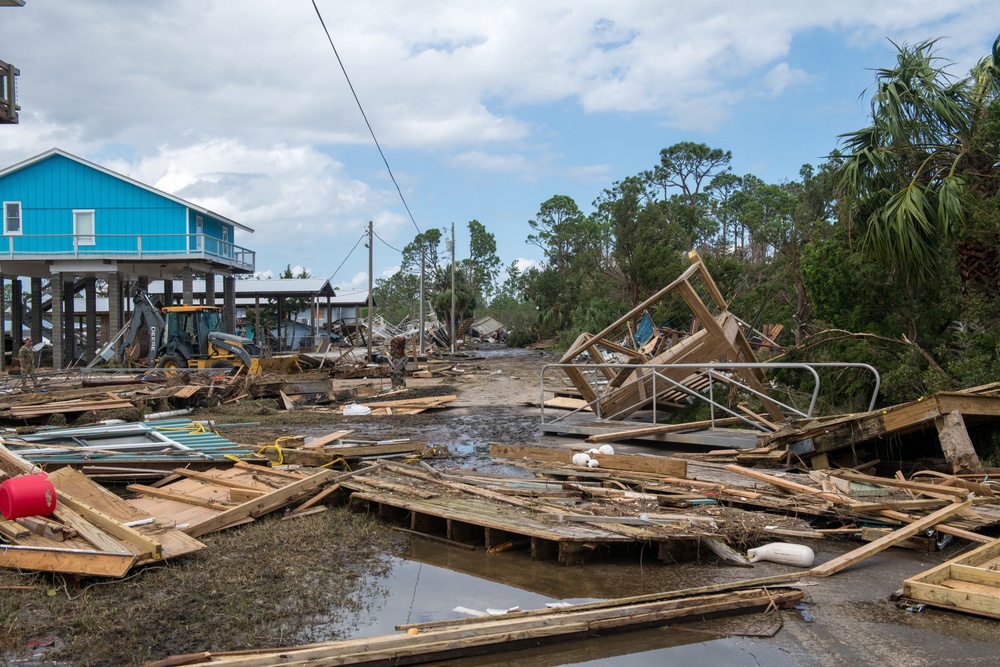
(418, 591)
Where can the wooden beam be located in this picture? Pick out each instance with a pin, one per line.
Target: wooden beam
(618, 436)
(661, 465)
(147, 546)
(177, 496)
(788, 485)
(895, 537)
(956, 445)
(214, 479)
(67, 561)
(271, 501)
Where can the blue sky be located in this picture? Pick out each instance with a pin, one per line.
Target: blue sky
(484, 110)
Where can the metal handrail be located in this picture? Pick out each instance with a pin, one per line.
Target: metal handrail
(712, 372)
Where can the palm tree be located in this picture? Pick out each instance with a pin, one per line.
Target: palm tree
(920, 173)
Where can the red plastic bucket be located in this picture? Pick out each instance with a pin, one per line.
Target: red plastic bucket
(27, 495)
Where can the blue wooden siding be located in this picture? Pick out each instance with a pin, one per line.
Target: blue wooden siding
(212, 229)
(49, 191)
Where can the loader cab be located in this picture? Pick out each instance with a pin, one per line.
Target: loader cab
(188, 328)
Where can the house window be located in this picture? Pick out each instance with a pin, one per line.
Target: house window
(12, 217)
(83, 227)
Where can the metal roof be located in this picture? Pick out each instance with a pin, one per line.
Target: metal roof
(267, 288)
(175, 442)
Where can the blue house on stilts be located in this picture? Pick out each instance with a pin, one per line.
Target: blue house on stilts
(72, 222)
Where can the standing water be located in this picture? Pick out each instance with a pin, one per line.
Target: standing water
(434, 583)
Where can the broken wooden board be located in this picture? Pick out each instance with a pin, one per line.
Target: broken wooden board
(321, 456)
(431, 643)
(413, 403)
(969, 583)
(652, 464)
(100, 536)
(204, 503)
(199, 499)
(850, 558)
(324, 440)
(816, 437)
(76, 405)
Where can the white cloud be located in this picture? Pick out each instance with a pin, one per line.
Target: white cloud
(523, 264)
(781, 76)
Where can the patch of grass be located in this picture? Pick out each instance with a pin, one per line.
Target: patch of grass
(270, 583)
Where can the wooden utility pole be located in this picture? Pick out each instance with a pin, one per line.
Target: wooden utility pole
(452, 330)
(370, 287)
(423, 263)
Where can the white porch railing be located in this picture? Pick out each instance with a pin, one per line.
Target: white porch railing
(125, 246)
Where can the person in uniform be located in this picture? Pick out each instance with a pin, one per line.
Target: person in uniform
(26, 355)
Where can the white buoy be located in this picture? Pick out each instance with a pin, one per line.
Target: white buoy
(607, 449)
(784, 553)
(581, 459)
(593, 463)
(593, 450)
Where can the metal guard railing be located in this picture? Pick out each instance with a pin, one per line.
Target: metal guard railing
(713, 372)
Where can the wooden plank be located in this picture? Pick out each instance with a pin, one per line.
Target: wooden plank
(13, 530)
(901, 484)
(266, 503)
(67, 561)
(209, 478)
(660, 465)
(177, 496)
(852, 557)
(498, 633)
(977, 575)
(243, 495)
(618, 436)
(147, 546)
(941, 527)
(329, 437)
(88, 531)
(789, 485)
(188, 391)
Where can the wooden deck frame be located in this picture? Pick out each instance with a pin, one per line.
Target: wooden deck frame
(715, 336)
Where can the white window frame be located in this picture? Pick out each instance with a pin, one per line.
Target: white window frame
(84, 238)
(199, 229)
(20, 219)
(225, 241)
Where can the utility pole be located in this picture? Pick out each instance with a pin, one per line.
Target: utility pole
(423, 263)
(370, 288)
(453, 332)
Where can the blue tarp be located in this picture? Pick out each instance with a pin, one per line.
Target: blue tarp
(644, 331)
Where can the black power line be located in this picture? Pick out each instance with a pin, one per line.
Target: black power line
(365, 116)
